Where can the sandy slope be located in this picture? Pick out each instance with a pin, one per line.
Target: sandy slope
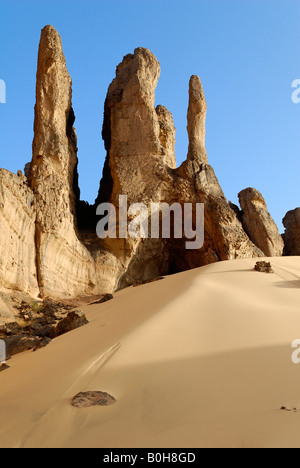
(200, 359)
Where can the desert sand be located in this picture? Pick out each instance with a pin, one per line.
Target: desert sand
(199, 359)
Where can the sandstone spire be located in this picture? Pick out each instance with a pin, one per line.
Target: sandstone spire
(65, 265)
(131, 130)
(137, 158)
(196, 121)
(54, 158)
(140, 151)
(140, 164)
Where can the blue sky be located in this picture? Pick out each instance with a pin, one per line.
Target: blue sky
(246, 52)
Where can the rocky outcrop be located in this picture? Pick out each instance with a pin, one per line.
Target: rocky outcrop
(259, 224)
(37, 326)
(264, 267)
(73, 320)
(54, 248)
(224, 235)
(291, 237)
(137, 168)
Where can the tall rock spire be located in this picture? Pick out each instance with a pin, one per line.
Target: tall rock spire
(196, 121)
(65, 265)
(131, 130)
(54, 159)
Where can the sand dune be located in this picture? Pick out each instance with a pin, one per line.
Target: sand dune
(200, 359)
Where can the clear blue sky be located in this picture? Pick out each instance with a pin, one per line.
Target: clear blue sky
(246, 52)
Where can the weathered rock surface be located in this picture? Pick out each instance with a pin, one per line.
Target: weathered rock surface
(39, 325)
(167, 134)
(196, 121)
(291, 237)
(88, 399)
(17, 244)
(66, 267)
(53, 247)
(259, 224)
(136, 161)
(73, 320)
(6, 314)
(224, 235)
(264, 267)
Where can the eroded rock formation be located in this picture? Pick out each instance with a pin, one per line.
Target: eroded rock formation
(65, 265)
(291, 222)
(37, 324)
(259, 224)
(59, 257)
(139, 169)
(17, 241)
(264, 267)
(196, 121)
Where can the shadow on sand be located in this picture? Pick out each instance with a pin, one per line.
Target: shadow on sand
(295, 284)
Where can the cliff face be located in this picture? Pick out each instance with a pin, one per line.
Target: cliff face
(291, 222)
(49, 251)
(17, 241)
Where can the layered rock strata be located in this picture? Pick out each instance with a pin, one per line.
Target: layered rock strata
(65, 266)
